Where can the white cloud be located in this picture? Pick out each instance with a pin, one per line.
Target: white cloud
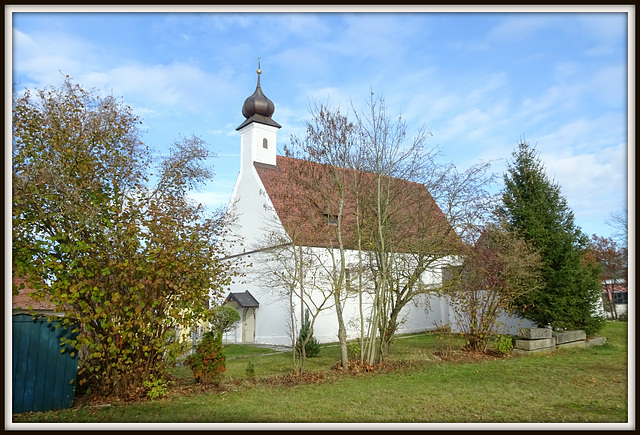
(332, 96)
(590, 182)
(566, 137)
(226, 130)
(474, 115)
(308, 26)
(177, 85)
(477, 45)
(149, 88)
(375, 35)
(491, 86)
(605, 30)
(585, 135)
(555, 97)
(609, 84)
(224, 22)
(303, 63)
(46, 57)
(515, 27)
(567, 70)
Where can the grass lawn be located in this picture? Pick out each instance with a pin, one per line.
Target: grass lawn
(565, 386)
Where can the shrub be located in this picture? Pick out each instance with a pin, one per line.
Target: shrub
(312, 347)
(445, 344)
(250, 370)
(442, 328)
(355, 349)
(156, 388)
(503, 344)
(208, 362)
(223, 318)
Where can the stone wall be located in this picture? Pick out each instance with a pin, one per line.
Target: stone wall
(545, 339)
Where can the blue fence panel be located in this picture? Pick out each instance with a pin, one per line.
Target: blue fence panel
(43, 377)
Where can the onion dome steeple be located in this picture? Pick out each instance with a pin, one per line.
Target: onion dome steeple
(258, 108)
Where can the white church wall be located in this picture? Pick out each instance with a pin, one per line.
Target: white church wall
(509, 323)
(506, 323)
(273, 317)
(235, 334)
(250, 208)
(273, 314)
(424, 313)
(273, 323)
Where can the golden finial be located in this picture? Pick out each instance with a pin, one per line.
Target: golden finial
(259, 70)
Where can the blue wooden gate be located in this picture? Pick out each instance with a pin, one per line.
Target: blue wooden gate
(43, 377)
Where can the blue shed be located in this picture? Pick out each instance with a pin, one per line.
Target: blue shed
(44, 378)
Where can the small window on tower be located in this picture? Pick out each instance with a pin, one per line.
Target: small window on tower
(265, 143)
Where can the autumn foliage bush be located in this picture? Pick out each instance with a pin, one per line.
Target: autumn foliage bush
(497, 270)
(209, 361)
(109, 234)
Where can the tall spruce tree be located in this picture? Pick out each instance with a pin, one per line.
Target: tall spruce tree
(536, 210)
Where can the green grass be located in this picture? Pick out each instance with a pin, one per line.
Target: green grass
(415, 347)
(570, 386)
(241, 351)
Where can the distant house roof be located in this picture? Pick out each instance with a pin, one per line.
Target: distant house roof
(245, 300)
(23, 300)
(615, 287)
(305, 198)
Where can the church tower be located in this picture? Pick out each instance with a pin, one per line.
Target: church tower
(258, 131)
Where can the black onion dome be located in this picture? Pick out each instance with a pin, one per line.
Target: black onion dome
(258, 108)
(258, 103)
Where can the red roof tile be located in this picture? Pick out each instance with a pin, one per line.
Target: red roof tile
(306, 196)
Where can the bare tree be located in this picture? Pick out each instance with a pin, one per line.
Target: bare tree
(329, 142)
(369, 197)
(619, 221)
(415, 205)
(497, 270)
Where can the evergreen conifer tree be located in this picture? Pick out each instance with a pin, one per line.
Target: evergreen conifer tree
(536, 210)
(312, 347)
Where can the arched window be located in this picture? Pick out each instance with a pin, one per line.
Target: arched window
(265, 143)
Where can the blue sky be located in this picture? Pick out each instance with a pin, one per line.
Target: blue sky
(480, 81)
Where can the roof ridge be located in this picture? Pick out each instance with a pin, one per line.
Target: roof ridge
(361, 171)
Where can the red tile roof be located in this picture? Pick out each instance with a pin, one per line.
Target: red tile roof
(615, 287)
(306, 196)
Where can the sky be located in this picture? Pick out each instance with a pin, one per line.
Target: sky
(480, 80)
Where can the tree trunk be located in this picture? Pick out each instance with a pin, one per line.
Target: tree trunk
(293, 331)
(612, 304)
(386, 337)
(342, 333)
(303, 356)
